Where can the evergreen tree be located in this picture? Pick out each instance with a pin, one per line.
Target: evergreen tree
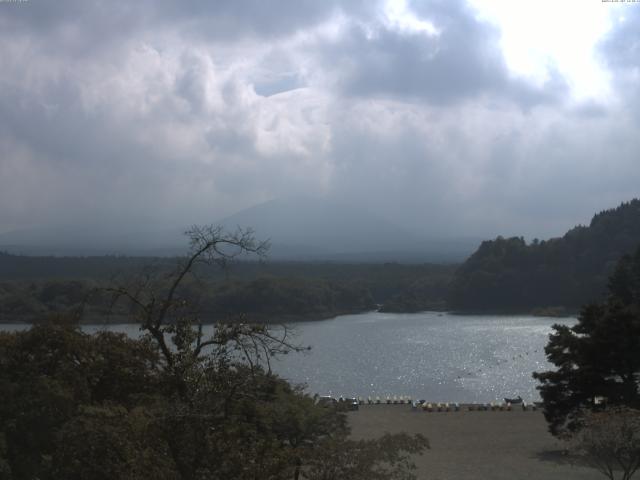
(599, 357)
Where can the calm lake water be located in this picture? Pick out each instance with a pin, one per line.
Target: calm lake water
(435, 356)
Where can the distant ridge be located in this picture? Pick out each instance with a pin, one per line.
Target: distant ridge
(509, 274)
(299, 228)
(92, 240)
(308, 228)
(321, 225)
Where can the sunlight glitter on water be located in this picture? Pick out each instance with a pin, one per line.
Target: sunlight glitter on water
(435, 356)
(440, 357)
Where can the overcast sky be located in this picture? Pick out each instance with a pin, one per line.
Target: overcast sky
(455, 117)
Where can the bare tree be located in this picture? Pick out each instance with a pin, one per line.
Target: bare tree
(175, 326)
(610, 442)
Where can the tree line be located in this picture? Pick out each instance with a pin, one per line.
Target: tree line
(265, 291)
(504, 275)
(510, 274)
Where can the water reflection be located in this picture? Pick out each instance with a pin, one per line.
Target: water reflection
(439, 357)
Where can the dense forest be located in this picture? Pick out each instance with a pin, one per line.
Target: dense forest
(553, 276)
(509, 274)
(33, 287)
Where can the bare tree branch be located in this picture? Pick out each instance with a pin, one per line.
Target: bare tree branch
(167, 317)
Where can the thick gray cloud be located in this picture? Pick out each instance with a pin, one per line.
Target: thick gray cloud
(181, 112)
(621, 47)
(222, 20)
(620, 51)
(462, 61)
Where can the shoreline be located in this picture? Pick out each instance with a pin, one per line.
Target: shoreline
(287, 318)
(125, 320)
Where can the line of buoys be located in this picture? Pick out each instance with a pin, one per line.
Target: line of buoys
(389, 400)
(471, 407)
(446, 406)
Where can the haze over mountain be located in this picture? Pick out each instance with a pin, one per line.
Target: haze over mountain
(299, 228)
(303, 227)
(91, 238)
(453, 115)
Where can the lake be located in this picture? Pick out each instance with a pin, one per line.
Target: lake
(435, 356)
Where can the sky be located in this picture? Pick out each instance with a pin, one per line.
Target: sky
(450, 117)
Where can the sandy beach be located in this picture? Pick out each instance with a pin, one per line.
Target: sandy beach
(507, 445)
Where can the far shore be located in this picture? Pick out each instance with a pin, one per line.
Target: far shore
(93, 319)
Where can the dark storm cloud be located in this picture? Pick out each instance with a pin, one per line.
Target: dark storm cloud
(71, 28)
(462, 61)
(231, 19)
(217, 20)
(84, 158)
(47, 128)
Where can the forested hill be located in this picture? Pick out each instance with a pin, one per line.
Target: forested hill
(37, 287)
(507, 274)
